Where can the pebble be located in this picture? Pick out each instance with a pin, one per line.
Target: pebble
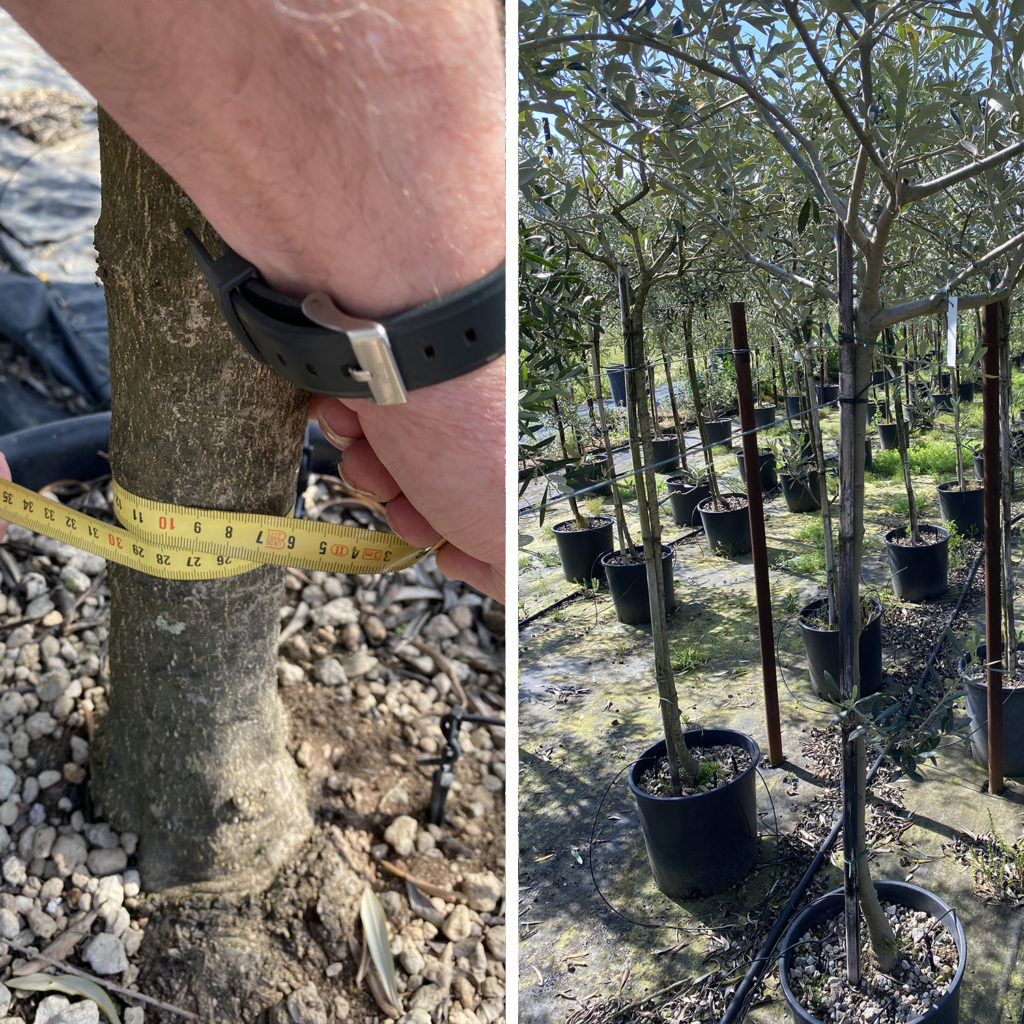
(329, 672)
(338, 612)
(76, 581)
(483, 890)
(8, 782)
(400, 835)
(305, 1006)
(106, 862)
(359, 663)
(459, 923)
(105, 954)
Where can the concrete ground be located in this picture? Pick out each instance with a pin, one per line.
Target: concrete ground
(595, 933)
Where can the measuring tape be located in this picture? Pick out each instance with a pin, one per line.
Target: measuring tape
(180, 543)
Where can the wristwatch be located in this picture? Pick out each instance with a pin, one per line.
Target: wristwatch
(322, 349)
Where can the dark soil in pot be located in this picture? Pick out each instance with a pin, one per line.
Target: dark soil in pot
(822, 647)
(701, 844)
(920, 572)
(813, 963)
(727, 527)
(684, 497)
(627, 583)
(580, 547)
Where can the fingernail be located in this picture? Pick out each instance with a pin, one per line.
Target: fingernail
(355, 490)
(339, 442)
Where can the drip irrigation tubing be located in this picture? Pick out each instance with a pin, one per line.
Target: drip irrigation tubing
(736, 1010)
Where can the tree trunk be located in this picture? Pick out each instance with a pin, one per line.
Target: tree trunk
(191, 755)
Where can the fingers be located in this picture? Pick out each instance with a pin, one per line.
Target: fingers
(409, 524)
(361, 468)
(339, 423)
(457, 565)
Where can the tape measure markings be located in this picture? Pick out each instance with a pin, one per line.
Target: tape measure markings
(180, 542)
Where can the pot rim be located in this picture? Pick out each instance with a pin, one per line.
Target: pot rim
(904, 530)
(725, 494)
(606, 520)
(950, 486)
(666, 551)
(755, 757)
(880, 610)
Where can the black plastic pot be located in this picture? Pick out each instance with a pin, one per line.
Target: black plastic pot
(877, 377)
(627, 584)
(921, 572)
(967, 390)
(617, 383)
(701, 844)
(887, 435)
(769, 478)
(588, 477)
(764, 416)
(979, 472)
(827, 393)
(822, 647)
(801, 494)
(964, 509)
(976, 691)
(872, 409)
(580, 551)
(666, 454)
(942, 401)
(945, 1011)
(684, 498)
(727, 529)
(719, 432)
(868, 452)
(795, 406)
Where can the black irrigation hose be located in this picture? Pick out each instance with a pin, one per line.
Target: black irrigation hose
(736, 1010)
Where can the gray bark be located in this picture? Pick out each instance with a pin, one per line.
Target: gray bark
(192, 754)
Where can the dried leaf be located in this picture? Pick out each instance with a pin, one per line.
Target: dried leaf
(70, 986)
(375, 929)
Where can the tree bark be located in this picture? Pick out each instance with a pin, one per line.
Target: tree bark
(191, 755)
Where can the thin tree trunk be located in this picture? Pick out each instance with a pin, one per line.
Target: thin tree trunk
(573, 503)
(681, 439)
(698, 408)
(191, 755)
(625, 541)
(1008, 470)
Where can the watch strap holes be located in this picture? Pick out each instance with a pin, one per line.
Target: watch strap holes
(311, 369)
(428, 351)
(280, 358)
(471, 335)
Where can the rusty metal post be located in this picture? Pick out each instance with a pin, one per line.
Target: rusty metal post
(758, 543)
(993, 576)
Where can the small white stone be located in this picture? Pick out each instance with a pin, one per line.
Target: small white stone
(14, 871)
(401, 835)
(49, 778)
(105, 954)
(106, 862)
(8, 782)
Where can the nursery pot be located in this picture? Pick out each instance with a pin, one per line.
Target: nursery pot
(580, 551)
(967, 388)
(872, 409)
(795, 406)
(827, 393)
(964, 509)
(627, 584)
(877, 377)
(719, 432)
(887, 434)
(945, 1011)
(666, 454)
(727, 529)
(589, 477)
(822, 647)
(684, 498)
(942, 401)
(617, 382)
(764, 416)
(701, 844)
(920, 572)
(769, 478)
(802, 494)
(977, 711)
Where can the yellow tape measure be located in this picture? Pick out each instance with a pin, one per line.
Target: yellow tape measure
(180, 543)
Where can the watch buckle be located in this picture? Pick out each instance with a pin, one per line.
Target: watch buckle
(370, 346)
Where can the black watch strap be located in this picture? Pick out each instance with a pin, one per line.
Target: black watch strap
(320, 348)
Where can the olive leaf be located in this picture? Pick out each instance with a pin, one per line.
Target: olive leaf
(69, 985)
(375, 930)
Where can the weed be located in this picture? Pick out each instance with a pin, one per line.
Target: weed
(559, 615)
(549, 558)
(622, 649)
(932, 456)
(686, 657)
(789, 602)
(524, 562)
(594, 504)
(997, 868)
(901, 506)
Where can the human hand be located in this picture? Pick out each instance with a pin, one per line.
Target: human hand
(437, 462)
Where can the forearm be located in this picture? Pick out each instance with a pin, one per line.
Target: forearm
(357, 150)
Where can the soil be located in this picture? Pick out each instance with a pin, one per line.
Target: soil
(590, 523)
(729, 502)
(617, 558)
(905, 540)
(817, 617)
(718, 765)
